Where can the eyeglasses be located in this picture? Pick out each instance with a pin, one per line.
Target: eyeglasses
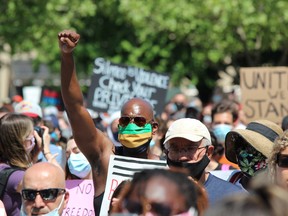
(138, 120)
(186, 150)
(282, 160)
(189, 151)
(140, 208)
(46, 194)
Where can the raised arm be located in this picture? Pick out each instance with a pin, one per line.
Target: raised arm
(92, 142)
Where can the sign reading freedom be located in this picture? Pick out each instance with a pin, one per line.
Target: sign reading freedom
(112, 85)
(264, 93)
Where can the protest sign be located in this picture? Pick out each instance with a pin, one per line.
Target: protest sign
(264, 93)
(113, 84)
(122, 168)
(81, 198)
(51, 97)
(32, 93)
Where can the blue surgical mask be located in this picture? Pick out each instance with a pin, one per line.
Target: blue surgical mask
(220, 131)
(78, 165)
(152, 143)
(207, 119)
(54, 212)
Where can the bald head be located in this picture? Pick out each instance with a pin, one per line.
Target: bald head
(44, 175)
(39, 179)
(137, 107)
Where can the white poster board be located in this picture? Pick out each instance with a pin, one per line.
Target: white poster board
(32, 93)
(122, 168)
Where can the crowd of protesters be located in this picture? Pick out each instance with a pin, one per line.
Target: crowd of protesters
(195, 139)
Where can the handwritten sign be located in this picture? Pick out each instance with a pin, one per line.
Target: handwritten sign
(112, 85)
(122, 168)
(80, 199)
(264, 93)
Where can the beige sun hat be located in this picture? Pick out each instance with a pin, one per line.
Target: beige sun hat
(260, 134)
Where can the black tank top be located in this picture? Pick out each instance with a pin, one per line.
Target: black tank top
(97, 203)
(98, 199)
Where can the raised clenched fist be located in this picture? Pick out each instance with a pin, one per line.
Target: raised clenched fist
(68, 40)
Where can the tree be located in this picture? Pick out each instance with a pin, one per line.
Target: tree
(185, 38)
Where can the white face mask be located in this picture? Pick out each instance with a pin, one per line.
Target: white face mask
(191, 212)
(54, 212)
(29, 149)
(78, 165)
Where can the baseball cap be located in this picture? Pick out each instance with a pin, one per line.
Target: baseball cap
(187, 128)
(29, 108)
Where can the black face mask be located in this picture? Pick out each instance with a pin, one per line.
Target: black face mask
(195, 169)
(179, 106)
(132, 152)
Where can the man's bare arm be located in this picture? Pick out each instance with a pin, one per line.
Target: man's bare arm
(91, 141)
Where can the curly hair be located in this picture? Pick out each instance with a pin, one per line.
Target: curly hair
(280, 144)
(140, 180)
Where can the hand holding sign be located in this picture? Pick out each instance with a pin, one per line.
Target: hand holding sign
(68, 40)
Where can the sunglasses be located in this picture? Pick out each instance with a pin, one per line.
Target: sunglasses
(138, 120)
(138, 208)
(46, 194)
(282, 160)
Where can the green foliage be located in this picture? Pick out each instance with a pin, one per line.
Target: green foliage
(185, 38)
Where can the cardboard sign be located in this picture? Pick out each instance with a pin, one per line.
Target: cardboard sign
(112, 85)
(122, 168)
(80, 199)
(264, 93)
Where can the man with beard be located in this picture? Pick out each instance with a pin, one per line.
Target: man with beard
(136, 124)
(188, 145)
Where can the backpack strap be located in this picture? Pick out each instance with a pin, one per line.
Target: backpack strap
(235, 177)
(5, 174)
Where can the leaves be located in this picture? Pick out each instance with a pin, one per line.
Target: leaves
(186, 38)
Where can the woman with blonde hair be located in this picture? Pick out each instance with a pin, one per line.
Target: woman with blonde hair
(278, 161)
(18, 150)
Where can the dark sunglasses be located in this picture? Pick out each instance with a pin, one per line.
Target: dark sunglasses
(46, 194)
(138, 120)
(282, 160)
(157, 208)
